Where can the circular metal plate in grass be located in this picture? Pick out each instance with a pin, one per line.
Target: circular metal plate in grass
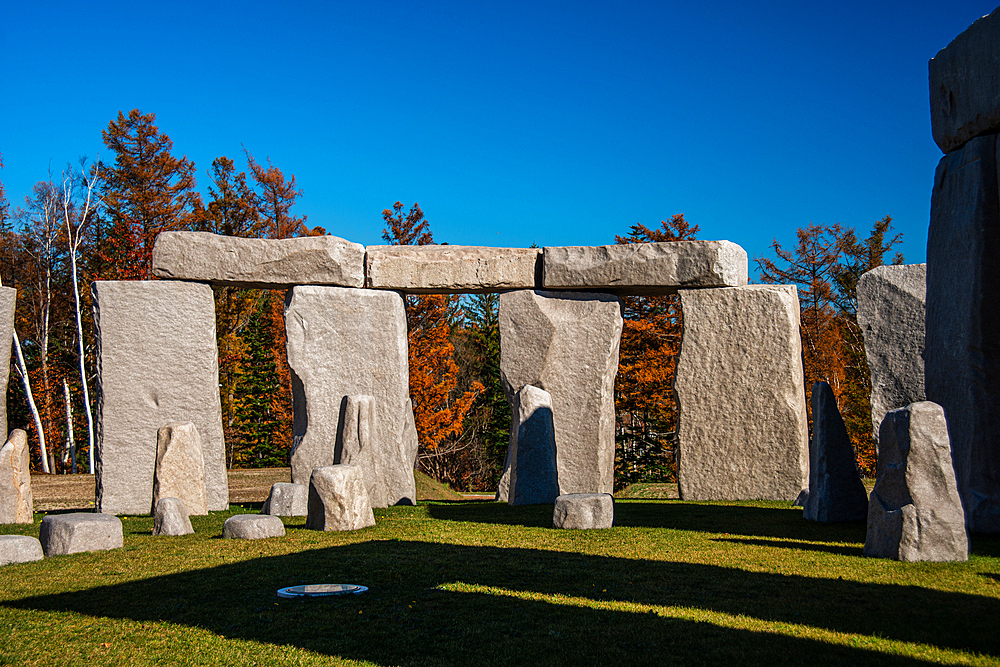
(320, 590)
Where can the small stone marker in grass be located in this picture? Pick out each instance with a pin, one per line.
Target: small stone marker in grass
(180, 467)
(19, 549)
(252, 527)
(287, 499)
(78, 532)
(320, 590)
(338, 499)
(170, 517)
(584, 511)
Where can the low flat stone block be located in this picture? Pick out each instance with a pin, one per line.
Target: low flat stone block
(534, 478)
(645, 268)
(836, 492)
(19, 549)
(965, 85)
(79, 532)
(16, 502)
(252, 527)
(180, 467)
(287, 499)
(584, 511)
(8, 296)
(258, 263)
(450, 269)
(170, 517)
(338, 499)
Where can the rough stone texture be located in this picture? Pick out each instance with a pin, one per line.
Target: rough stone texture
(259, 263)
(965, 85)
(743, 432)
(16, 503)
(566, 343)
(19, 549)
(287, 500)
(645, 268)
(962, 352)
(170, 517)
(355, 444)
(836, 492)
(533, 475)
(450, 269)
(8, 296)
(584, 511)
(338, 499)
(180, 468)
(915, 512)
(80, 531)
(891, 311)
(345, 342)
(157, 363)
(252, 527)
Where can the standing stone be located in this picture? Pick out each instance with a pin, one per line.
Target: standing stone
(157, 363)
(338, 499)
(180, 468)
(584, 511)
(78, 532)
(533, 474)
(962, 354)
(566, 343)
(891, 311)
(345, 342)
(287, 500)
(19, 549)
(170, 517)
(836, 492)
(8, 296)
(16, 503)
(915, 512)
(743, 432)
(356, 444)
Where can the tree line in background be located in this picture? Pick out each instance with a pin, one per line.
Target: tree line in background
(99, 221)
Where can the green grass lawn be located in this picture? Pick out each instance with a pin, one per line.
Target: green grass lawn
(487, 584)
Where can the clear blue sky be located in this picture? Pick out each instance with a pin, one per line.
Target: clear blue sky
(511, 122)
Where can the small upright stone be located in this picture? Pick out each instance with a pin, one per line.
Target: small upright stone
(16, 505)
(584, 511)
(180, 468)
(287, 500)
(338, 499)
(19, 549)
(170, 517)
(915, 512)
(8, 297)
(252, 527)
(356, 444)
(79, 532)
(533, 475)
(836, 492)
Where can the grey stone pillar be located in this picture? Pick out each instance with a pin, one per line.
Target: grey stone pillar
(8, 296)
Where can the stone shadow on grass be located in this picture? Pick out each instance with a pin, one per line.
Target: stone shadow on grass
(790, 544)
(413, 613)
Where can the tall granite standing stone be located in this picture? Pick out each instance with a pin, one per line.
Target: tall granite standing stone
(533, 474)
(356, 444)
(345, 342)
(962, 353)
(743, 432)
(915, 512)
(836, 492)
(891, 312)
(16, 503)
(8, 295)
(566, 343)
(180, 467)
(157, 363)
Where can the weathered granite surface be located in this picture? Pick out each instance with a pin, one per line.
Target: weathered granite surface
(891, 311)
(450, 269)
(338, 499)
(533, 473)
(915, 512)
(157, 363)
(566, 343)
(78, 532)
(743, 432)
(8, 296)
(836, 492)
(345, 342)
(19, 549)
(16, 502)
(965, 85)
(260, 263)
(645, 268)
(962, 351)
(252, 527)
(287, 500)
(355, 444)
(180, 467)
(584, 511)
(170, 517)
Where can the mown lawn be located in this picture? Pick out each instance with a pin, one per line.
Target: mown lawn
(487, 584)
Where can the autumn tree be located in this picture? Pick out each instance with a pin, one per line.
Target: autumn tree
(275, 197)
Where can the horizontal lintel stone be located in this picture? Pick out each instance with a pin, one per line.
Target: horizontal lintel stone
(452, 269)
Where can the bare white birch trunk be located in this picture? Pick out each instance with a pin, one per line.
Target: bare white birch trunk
(71, 442)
